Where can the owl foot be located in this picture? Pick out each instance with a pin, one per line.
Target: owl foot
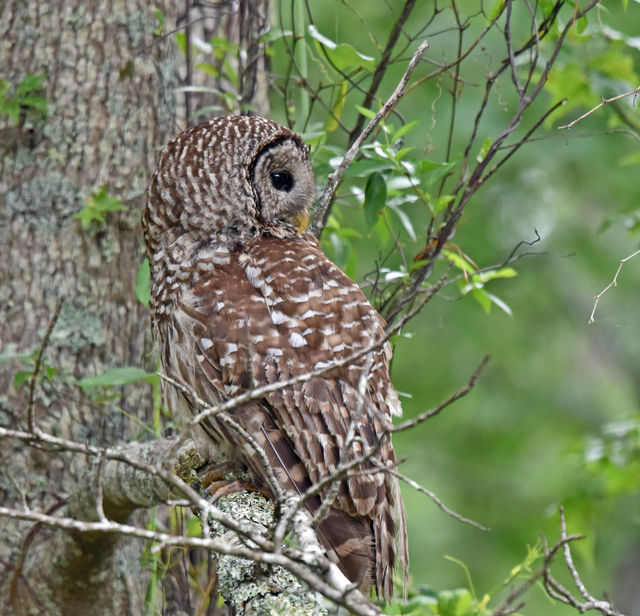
(213, 473)
(224, 487)
(220, 480)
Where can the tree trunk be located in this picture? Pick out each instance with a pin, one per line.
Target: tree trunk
(109, 86)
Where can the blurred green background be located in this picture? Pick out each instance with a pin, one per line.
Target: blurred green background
(554, 418)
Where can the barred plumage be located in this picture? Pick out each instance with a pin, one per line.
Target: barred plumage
(241, 296)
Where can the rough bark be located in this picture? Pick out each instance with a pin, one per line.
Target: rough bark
(110, 84)
(109, 88)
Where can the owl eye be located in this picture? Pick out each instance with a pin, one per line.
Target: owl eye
(282, 180)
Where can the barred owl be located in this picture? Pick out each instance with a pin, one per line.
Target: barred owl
(243, 297)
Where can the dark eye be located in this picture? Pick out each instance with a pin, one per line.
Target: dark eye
(282, 180)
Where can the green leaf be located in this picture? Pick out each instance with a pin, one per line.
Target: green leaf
(342, 56)
(27, 95)
(581, 24)
(375, 198)
(482, 297)
(630, 159)
(495, 11)
(405, 221)
(403, 152)
(230, 73)
(454, 602)
(403, 130)
(504, 272)
(143, 283)
(31, 83)
(367, 113)
(276, 34)
(337, 245)
(12, 109)
(381, 230)
(459, 261)
(571, 82)
(181, 40)
(97, 208)
(364, 167)
(436, 171)
(21, 378)
(194, 527)
(160, 17)
(209, 69)
(323, 40)
(494, 299)
(547, 7)
(333, 119)
(222, 46)
(118, 376)
(614, 63)
(36, 102)
(414, 265)
(441, 202)
(484, 149)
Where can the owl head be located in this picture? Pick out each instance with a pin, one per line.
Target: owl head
(234, 176)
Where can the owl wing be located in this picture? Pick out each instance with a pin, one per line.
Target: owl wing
(277, 310)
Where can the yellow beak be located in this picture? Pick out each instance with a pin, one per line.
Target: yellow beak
(301, 221)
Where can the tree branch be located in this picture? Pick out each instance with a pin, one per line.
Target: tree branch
(324, 203)
(613, 283)
(602, 103)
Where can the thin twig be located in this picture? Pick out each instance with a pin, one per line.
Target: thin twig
(559, 592)
(38, 362)
(383, 64)
(603, 102)
(613, 283)
(422, 417)
(506, 607)
(322, 208)
(416, 486)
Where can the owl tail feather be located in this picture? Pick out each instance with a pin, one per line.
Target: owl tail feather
(348, 539)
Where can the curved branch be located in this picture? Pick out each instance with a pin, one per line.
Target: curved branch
(324, 203)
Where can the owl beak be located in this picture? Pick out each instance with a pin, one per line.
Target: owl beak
(301, 221)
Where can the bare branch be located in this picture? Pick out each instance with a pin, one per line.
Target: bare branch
(559, 592)
(613, 283)
(422, 417)
(416, 486)
(603, 102)
(383, 64)
(508, 606)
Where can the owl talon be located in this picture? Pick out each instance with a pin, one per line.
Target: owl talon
(225, 487)
(212, 473)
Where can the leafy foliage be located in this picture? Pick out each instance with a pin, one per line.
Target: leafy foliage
(29, 360)
(114, 377)
(94, 213)
(25, 99)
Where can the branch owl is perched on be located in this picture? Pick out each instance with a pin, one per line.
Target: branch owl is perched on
(242, 297)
